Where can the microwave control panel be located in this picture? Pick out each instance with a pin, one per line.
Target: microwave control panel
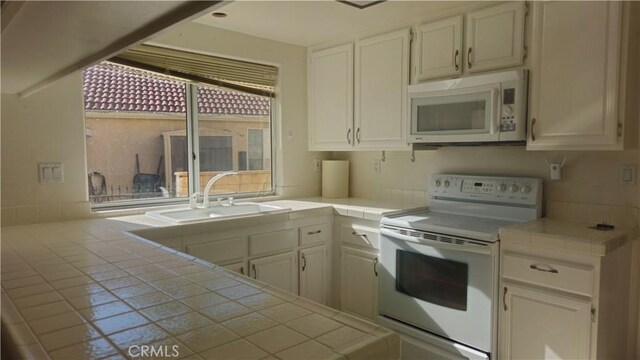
(513, 190)
(508, 116)
(512, 107)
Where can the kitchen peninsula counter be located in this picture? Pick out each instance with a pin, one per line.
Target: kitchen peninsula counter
(90, 289)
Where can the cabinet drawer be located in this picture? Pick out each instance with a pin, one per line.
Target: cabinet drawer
(273, 242)
(220, 251)
(314, 234)
(548, 273)
(359, 235)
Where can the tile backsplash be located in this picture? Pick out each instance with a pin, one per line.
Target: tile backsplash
(588, 191)
(23, 215)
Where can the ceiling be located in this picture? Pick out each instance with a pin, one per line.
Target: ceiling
(43, 41)
(308, 23)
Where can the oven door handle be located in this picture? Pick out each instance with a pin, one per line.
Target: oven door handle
(470, 248)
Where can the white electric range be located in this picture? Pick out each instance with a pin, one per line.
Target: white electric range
(439, 268)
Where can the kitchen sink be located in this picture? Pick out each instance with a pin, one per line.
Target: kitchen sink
(183, 216)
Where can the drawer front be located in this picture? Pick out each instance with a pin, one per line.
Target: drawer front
(315, 234)
(359, 235)
(273, 242)
(220, 251)
(549, 273)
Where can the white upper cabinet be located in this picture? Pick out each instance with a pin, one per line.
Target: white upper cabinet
(575, 76)
(378, 97)
(331, 98)
(438, 51)
(495, 37)
(381, 79)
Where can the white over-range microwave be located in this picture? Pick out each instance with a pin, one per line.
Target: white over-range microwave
(487, 108)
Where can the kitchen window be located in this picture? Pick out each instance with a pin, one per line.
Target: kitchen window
(153, 138)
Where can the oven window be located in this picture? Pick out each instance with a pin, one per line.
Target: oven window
(438, 281)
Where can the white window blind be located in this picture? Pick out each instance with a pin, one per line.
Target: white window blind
(240, 75)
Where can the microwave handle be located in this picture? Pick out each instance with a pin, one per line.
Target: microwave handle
(495, 116)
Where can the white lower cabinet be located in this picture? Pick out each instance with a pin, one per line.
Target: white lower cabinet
(280, 271)
(542, 325)
(270, 253)
(313, 274)
(557, 304)
(359, 282)
(220, 251)
(239, 267)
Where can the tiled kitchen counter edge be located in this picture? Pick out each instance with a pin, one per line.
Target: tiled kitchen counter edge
(571, 236)
(87, 289)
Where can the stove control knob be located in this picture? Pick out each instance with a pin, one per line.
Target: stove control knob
(502, 187)
(438, 183)
(525, 189)
(513, 188)
(446, 183)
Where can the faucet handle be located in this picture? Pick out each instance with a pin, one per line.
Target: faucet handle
(230, 200)
(193, 200)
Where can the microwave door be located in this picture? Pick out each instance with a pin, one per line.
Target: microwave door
(460, 115)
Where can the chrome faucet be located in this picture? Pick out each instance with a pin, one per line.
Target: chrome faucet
(205, 195)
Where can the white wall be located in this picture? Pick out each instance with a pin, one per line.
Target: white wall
(45, 127)
(294, 172)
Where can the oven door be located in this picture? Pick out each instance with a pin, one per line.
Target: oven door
(444, 288)
(456, 115)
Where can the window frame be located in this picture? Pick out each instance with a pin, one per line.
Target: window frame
(192, 134)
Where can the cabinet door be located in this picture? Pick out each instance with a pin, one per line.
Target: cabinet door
(313, 274)
(359, 282)
(331, 98)
(495, 37)
(539, 325)
(278, 270)
(438, 49)
(574, 79)
(382, 76)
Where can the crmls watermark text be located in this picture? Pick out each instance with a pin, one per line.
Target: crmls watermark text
(148, 351)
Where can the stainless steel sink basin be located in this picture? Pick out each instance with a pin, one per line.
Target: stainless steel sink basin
(182, 216)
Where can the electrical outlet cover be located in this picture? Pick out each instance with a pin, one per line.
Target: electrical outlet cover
(377, 165)
(627, 174)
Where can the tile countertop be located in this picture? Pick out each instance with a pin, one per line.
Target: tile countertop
(576, 237)
(85, 289)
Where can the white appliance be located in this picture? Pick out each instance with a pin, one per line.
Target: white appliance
(474, 109)
(438, 279)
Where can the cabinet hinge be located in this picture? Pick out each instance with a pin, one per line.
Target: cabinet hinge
(525, 52)
(411, 35)
(526, 9)
(619, 129)
(593, 314)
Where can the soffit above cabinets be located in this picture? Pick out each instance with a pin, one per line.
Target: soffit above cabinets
(309, 23)
(43, 41)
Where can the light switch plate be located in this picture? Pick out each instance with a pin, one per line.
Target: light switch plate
(627, 174)
(51, 173)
